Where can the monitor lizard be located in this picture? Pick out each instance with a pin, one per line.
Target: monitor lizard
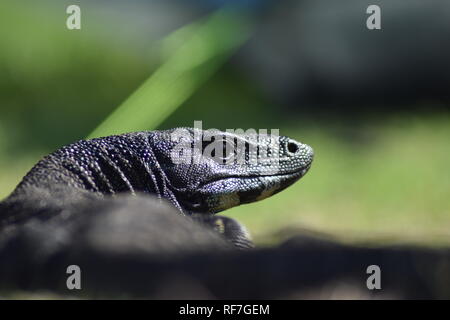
(199, 185)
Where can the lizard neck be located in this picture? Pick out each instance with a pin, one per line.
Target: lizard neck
(106, 166)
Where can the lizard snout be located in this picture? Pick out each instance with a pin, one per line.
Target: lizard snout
(298, 152)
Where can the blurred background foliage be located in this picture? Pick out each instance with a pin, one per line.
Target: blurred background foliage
(374, 105)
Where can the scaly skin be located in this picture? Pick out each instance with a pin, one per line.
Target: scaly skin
(144, 162)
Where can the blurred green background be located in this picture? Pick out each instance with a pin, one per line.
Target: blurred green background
(379, 175)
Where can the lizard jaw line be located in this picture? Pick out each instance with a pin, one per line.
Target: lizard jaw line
(300, 173)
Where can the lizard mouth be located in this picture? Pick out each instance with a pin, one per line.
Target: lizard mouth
(295, 175)
(251, 187)
(271, 184)
(223, 192)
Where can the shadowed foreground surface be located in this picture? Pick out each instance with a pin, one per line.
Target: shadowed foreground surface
(126, 252)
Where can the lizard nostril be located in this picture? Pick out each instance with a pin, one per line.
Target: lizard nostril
(292, 147)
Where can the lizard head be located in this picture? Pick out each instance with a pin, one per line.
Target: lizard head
(209, 171)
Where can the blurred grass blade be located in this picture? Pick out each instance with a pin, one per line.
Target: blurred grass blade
(191, 55)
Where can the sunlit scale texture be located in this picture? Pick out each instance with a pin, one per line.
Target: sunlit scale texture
(179, 165)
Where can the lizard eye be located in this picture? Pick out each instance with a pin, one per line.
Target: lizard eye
(223, 145)
(227, 150)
